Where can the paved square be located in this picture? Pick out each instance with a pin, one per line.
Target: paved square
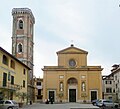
(61, 106)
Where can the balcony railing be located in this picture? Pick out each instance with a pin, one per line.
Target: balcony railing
(39, 87)
(10, 86)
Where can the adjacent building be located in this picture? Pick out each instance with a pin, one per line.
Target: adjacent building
(116, 72)
(72, 80)
(111, 84)
(38, 84)
(13, 77)
(108, 87)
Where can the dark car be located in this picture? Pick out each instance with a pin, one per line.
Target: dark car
(94, 102)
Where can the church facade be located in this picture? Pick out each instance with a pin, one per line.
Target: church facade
(72, 80)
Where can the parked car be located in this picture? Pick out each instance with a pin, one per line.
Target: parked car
(94, 102)
(107, 103)
(8, 104)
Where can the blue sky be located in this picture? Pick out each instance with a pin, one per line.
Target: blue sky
(93, 25)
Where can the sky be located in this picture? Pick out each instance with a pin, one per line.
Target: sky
(91, 25)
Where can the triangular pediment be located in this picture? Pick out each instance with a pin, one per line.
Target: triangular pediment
(72, 50)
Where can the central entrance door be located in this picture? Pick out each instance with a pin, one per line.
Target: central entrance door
(72, 95)
(52, 94)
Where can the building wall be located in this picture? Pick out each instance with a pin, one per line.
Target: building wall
(52, 80)
(38, 84)
(20, 73)
(117, 83)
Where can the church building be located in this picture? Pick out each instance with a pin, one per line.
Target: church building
(72, 80)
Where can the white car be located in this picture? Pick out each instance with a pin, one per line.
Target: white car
(8, 104)
(107, 103)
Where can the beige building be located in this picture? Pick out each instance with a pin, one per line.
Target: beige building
(38, 84)
(109, 87)
(13, 78)
(116, 73)
(72, 80)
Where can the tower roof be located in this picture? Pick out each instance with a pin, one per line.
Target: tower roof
(23, 11)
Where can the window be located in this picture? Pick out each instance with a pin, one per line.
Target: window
(1, 101)
(108, 82)
(7, 102)
(20, 48)
(12, 80)
(39, 83)
(31, 29)
(4, 79)
(116, 86)
(114, 90)
(72, 81)
(108, 90)
(5, 60)
(12, 64)
(116, 77)
(24, 71)
(39, 91)
(20, 24)
(23, 83)
(72, 63)
(61, 76)
(83, 76)
(105, 82)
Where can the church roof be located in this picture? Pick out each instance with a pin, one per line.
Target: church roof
(72, 50)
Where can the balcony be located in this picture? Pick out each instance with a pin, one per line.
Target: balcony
(39, 87)
(9, 86)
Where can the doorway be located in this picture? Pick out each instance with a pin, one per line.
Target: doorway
(93, 95)
(52, 94)
(72, 95)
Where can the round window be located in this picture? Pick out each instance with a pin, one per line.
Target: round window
(72, 63)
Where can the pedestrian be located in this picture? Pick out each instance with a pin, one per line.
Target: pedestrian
(51, 100)
(47, 101)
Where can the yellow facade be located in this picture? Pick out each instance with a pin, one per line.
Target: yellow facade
(13, 78)
(72, 80)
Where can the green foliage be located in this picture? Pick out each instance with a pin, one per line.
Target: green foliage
(21, 95)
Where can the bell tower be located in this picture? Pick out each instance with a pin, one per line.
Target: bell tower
(22, 37)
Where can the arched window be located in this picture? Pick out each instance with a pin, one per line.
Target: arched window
(20, 24)
(20, 48)
(72, 81)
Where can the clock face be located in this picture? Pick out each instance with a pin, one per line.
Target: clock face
(72, 63)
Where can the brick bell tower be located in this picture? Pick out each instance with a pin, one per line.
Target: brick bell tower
(22, 38)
